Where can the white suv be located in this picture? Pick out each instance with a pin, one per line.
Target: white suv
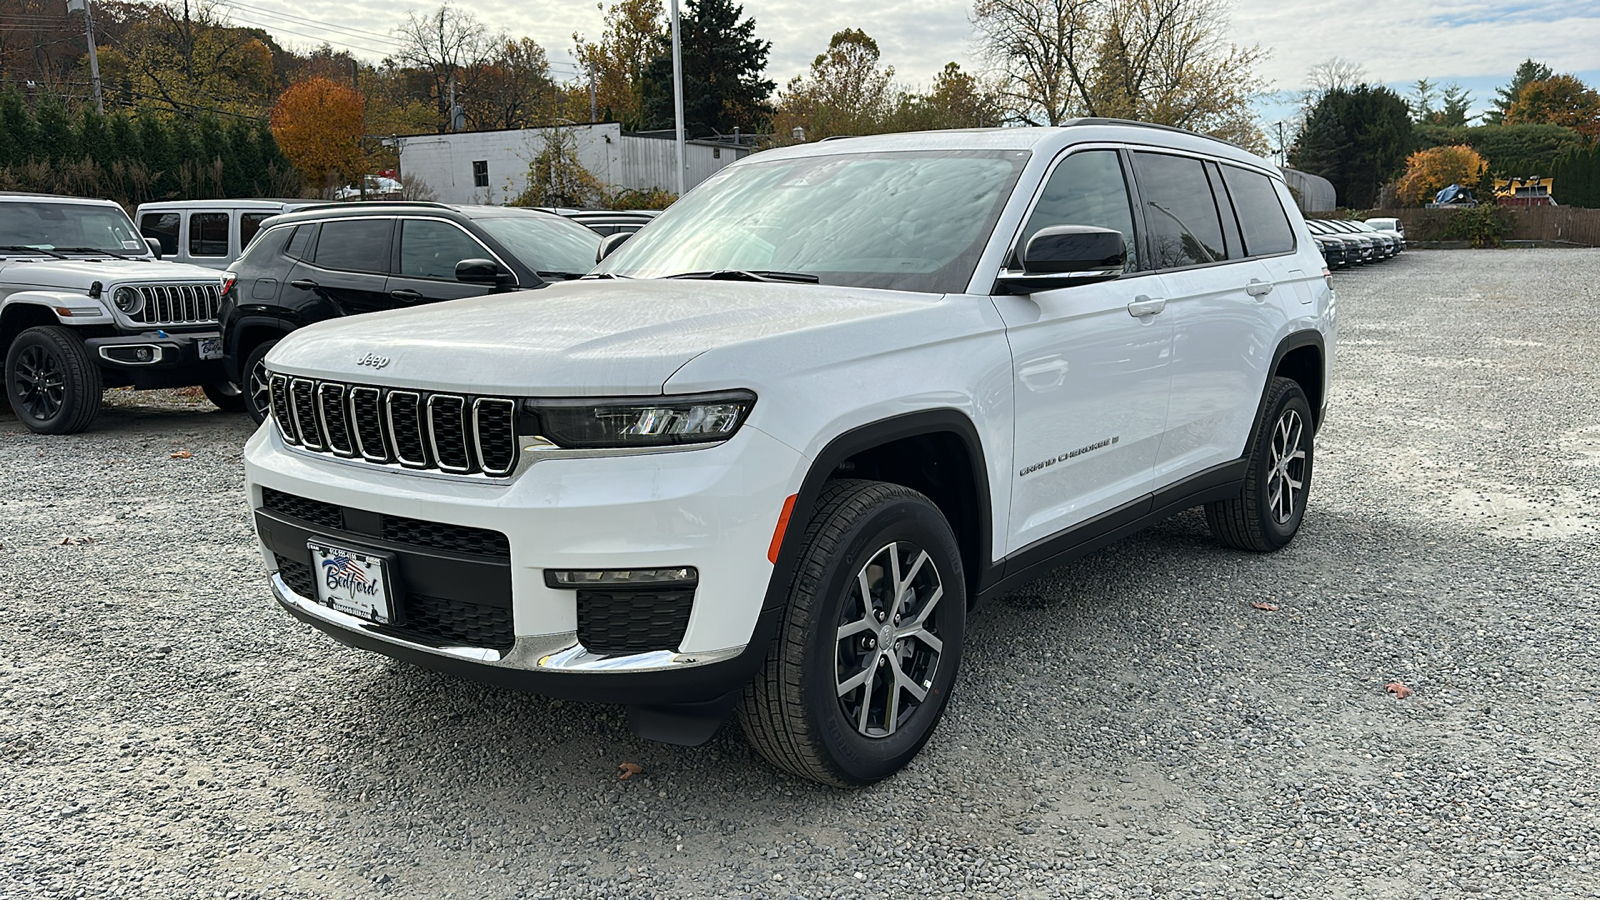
(768, 456)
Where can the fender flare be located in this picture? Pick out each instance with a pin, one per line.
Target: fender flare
(85, 310)
(865, 437)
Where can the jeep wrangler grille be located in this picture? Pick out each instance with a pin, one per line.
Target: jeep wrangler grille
(450, 433)
(178, 304)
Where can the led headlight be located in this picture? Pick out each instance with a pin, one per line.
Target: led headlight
(641, 421)
(127, 299)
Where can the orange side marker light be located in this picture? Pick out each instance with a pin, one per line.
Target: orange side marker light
(783, 525)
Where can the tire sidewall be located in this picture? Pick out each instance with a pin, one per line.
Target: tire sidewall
(1291, 397)
(862, 759)
(76, 396)
(252, 361)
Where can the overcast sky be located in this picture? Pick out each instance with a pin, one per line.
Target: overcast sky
(1476, 42)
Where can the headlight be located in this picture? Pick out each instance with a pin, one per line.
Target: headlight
(641, 421)
(128, 300)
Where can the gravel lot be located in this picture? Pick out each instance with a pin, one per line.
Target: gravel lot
(1129, 726)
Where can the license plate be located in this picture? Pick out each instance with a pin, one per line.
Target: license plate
(353, 582)
(210, 348)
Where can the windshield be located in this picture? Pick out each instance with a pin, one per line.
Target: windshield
(545, 243)
(911, 220)
(85, 228)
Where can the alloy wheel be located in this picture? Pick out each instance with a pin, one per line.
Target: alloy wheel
(887, 643)
(1286, 475)
(260, 390)
(41, 384)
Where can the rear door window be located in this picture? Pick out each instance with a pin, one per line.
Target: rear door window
(164, 228)
(431, 249)
(1180, 211)
(355, 245)
(300, 243)
(1087, 188)
(208, 234)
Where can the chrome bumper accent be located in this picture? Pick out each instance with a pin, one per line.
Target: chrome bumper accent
(543, 653)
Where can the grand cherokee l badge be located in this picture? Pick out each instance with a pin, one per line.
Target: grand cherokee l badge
(373, 360)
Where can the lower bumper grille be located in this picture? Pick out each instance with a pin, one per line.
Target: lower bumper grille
(616, 622)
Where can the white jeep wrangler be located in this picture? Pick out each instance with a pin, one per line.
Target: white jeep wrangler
(768, 455)
(86, 304)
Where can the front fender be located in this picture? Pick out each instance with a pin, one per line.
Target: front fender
(67, 307)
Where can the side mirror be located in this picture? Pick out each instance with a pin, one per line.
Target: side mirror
(483, 271)
(1065, 255)
(154, 245)
(610, 243)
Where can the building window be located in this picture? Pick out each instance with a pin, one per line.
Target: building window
(480, 173)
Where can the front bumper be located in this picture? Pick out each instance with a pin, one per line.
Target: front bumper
(161, 358)
(711, 508)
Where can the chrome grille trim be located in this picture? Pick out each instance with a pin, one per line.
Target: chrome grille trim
(370, 425)
(178, 304)
(444, 406)
(333, 420)
(413, 400)
(482, 409)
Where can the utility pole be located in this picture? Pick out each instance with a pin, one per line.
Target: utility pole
(677, 90)
(1283, 150)
(94, 58)
(593, 112)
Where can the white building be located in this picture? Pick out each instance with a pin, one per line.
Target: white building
(492, 166)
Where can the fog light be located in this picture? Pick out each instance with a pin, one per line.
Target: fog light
(143, 354)
(680, 577)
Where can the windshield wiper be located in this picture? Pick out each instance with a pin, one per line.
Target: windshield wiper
(23, 248)
(93, 250)
(564, 276)
(751, 275)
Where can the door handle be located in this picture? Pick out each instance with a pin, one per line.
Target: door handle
(304, 284)
(1258, 288)
(1044, 374)
(1143, 305)
(406, 296)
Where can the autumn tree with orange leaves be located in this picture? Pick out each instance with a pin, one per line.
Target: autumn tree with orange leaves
(1558, 100)
(1431, 171)
(317, 123)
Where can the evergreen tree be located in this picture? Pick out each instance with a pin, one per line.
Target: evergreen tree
(156, 146)
(243, 176)
(1526, 73)
(55, 140)
(186, 158)
(94, 137)
(16, 129)
(125, 144)
(1356, 138)
(723, 62)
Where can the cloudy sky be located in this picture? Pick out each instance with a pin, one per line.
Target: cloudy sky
(1475, 42)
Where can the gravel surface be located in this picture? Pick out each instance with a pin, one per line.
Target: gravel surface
(1128, 726)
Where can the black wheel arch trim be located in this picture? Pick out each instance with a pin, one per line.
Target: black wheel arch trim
(1309, 337)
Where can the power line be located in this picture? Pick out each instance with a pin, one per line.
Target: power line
(259, 10)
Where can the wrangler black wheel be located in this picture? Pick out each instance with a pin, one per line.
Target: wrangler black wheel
(51, 381)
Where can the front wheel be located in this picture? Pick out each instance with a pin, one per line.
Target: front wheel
(52, 382)
(257, 393)
(861, 669)
(1267, 513)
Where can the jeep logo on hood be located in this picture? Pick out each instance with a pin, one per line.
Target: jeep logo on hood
(373, 360)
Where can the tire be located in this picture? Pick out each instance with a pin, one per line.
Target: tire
(794, 712)
(1267, 513)
(256, 401)
(224, 395)
(52, 382)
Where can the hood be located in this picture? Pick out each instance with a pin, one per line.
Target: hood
(78, 274)
(577, 338)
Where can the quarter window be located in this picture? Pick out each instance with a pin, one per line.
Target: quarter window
(300, 242)
(208, 234)
(249, 224)
(164, 228)
(480, 173)
(355, 245)
(1087, 188)
(432, 249)
(1180, 211)
(1261, 215)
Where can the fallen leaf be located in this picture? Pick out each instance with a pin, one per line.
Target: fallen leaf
(1264, 607)
(181, 454)
(629, 770)
(69, 540)
(1397, 689)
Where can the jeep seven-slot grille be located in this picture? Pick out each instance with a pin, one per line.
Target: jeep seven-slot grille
(178, 304)
(450, 433)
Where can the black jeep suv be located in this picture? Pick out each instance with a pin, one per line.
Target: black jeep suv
(353, 258)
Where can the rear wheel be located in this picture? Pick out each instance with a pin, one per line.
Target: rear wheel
(1267, 513)
(861, 669)
(225, 395)
(257, 394)
(51, 380)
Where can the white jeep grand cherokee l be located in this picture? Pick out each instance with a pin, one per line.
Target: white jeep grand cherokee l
(769, 455)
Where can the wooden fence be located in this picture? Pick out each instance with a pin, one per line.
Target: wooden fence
(1567, 224)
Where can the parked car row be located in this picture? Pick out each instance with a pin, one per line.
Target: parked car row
(1345, 242)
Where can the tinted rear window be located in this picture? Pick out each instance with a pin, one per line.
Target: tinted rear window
(249, 224)
(164, 228)
(208, 234)
(355, 245)
(1184, 227)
